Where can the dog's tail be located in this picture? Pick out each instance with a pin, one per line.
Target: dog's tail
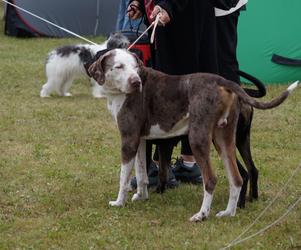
(260, 91)
(254, 103)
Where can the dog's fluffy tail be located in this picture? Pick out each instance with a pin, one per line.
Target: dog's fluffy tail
(254, 103)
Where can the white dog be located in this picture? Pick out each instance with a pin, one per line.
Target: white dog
(65, 64)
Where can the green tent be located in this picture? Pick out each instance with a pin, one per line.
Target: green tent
(271, 27)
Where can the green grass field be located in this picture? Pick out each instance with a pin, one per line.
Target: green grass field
(59, 168)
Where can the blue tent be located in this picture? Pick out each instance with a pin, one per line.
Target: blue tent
(93, 17)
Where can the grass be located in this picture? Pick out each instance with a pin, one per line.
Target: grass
(59, 168)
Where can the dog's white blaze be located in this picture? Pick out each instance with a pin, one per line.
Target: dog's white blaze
(125, 174)
(117, 80)
(122, 57)
(180, 128)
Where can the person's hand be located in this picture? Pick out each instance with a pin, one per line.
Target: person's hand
(164, 18)
(134, 11)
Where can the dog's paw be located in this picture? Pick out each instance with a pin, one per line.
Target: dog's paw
(200, 216)
(98, 95)
(116, 203)
(225, 213)
(67, 94)
(139, 197)
(44, 94)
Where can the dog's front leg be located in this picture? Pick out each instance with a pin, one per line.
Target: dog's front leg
(141, 174)
(125, 174)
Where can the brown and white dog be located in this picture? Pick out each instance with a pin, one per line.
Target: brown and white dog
(147, 104)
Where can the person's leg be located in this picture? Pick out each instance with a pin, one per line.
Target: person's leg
(185, 168)
(121, 14)
(153, 170)
(207, 62)
(227, 45)
(228, 68)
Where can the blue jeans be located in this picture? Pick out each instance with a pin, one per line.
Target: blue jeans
(123, 21)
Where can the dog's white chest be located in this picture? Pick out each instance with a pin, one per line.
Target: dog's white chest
(180, 128)
(115, 104)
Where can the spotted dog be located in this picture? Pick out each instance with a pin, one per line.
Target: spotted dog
(65, 64)
(148, 104)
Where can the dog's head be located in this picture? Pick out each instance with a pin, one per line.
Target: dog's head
(118, 71)
(118, 40)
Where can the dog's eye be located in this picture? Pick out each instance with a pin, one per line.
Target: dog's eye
(118, 66)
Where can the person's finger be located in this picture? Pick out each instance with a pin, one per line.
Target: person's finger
(155, 11)
(134, 11)
(137, 15)
(164, 18)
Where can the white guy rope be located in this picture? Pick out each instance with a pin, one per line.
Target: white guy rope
(53, 24)
(233, 242)
(267, 227)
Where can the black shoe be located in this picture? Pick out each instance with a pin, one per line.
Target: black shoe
(172, 182)
(153, 179)
(187, 174)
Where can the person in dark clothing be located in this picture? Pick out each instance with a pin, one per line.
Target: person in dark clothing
(184, 43)
(226, 25)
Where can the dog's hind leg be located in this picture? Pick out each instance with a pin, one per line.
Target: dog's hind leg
(66, 87)
(141, 174)
(244, 148)
(245, 176)
(200, 143)
(47, 88)
(224, 139)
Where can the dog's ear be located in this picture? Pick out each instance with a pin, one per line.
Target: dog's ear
(97, 72)
(138, 56)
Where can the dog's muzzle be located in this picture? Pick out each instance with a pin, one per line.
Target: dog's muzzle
(135, 83)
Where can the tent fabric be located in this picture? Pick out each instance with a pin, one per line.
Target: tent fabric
(270, 27)
(267, 27)
(86, 18)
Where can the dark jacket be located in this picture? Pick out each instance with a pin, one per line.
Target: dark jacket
(188, 43)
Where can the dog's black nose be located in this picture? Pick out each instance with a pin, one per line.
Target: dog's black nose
(135, 82)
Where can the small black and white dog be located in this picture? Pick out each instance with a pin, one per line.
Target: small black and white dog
(65, 64)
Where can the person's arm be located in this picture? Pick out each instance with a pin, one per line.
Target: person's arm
(136, 9)
(171, 7)
(166, 5)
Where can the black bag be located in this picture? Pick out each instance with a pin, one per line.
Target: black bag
(225, 4)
